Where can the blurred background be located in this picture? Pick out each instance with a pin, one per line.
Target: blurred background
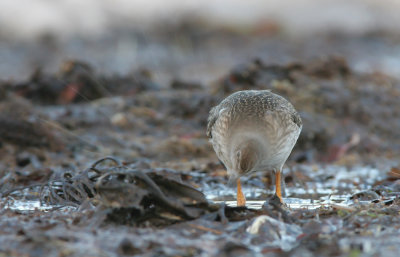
(85, 79)
(195, 40)
(149, 72)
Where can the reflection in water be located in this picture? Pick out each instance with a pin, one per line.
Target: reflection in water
(27, 205)
(331, 186)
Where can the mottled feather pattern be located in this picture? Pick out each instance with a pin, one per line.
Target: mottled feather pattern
(259, 116)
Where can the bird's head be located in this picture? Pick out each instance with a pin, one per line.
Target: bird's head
(246, 156)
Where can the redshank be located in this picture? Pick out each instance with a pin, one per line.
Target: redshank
(253, 130)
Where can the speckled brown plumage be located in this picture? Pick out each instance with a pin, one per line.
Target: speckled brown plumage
(253, 130)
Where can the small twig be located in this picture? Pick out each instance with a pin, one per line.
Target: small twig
(105, 159)
(344, 208)
(95, 170)
(6, 193)
(53, 195)
(221, 213)
(199, 227)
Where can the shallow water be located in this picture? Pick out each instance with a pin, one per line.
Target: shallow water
(26, 205)
(331, 186)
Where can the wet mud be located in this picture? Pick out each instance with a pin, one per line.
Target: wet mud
(100, 164)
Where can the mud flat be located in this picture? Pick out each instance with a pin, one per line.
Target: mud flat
(96, 162)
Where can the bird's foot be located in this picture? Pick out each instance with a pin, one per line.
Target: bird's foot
(275, 201)
(276, 208)
(241, 199)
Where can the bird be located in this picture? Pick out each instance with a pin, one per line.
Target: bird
(253, 130)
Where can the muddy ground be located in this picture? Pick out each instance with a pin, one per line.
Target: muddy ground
(161, 191)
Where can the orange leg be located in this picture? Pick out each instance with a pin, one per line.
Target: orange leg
(278, 185)
(241, 200)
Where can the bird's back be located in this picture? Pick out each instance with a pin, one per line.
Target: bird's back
(249, 106)
(256, 114)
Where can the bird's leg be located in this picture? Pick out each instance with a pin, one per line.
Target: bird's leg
(278, 185)
(241, 200)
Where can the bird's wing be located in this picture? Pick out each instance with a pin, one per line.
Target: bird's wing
(297, 119)
(212, 118)
(215, 114)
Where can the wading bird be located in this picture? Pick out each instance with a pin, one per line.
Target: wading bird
(253, 130)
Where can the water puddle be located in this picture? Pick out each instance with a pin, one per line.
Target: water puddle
(332, 186)
(294, 203)
(23, 205)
